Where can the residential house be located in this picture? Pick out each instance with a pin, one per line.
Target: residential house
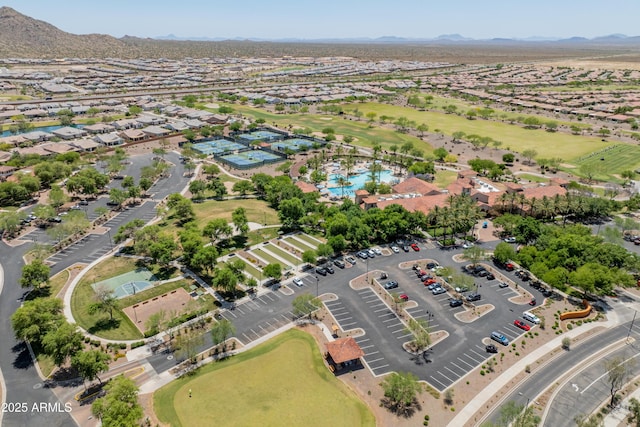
(109, 139)
(69, 132)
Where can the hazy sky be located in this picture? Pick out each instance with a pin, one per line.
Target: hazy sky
(337, 18)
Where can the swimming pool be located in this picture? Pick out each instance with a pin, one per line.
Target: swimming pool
(47, 129)
(357, 182)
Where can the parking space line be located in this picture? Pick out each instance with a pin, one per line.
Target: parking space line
(403, 336)
(231, 313)
(390, 320)
(394, 325)
(398, 330)
(344, 325)
(333, 310)
(476, 353)
(443, 385)
(448, 379)
(472, 358)
(245, 335)
(378, 305)
(366, 346)
(459, 367)
(381, 309)
(373, 352)
(376, 360)
(255, 333)
(344, 318)
(362, 340)
(468, 364)
(329, 305)
(454, 373)
(380, 367)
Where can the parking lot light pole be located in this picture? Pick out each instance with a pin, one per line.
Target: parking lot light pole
(367, 275)
(317, 285)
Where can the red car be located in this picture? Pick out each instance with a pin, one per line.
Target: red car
(533, 302)
(415, 247)
(430, 281)
(509, 267)
(404, 297)
(520, 324)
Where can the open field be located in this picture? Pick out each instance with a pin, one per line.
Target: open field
(444, 178)
(611, 161)
(287, 256)
(306, 238)
(311, 397)
(257, 211)
(360, 130)
(298, 244)
(513, 137)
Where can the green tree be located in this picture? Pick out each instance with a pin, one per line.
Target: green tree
(240, 221)
(243, 187)
(187, 344)
(217, 229)
(529, 154)
(634, 412)
(504, 252)
(35, 318)
(324, 250)
(474, 254)
(57, 198)
(309, 256)
(419, 329)
(90, 364)
(440, 153)
(619, 371)
(35, 274)
(221, 331)
(119, 407)
(400, 390)
(106, 302)
(62, 342)
(305, 304)
(273, 270)
(225, 280)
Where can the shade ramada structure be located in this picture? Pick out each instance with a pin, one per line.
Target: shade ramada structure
(344, 350)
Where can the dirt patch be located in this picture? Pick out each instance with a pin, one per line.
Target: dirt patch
(473, 314)
(175, 301)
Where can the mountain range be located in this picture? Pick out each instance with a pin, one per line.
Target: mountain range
(26, 37)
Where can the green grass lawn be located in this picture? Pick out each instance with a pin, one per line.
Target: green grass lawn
(270, 259)
(257, 211)
(444, 178)
(513, 137)
(283, 254)
(262, 235)
(366, 136)
(532, 178)
(83, 295)
(311, 240)
(282, 382)
(617, 158)
(298, 244)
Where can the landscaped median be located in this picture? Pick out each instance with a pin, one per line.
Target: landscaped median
(281, 382)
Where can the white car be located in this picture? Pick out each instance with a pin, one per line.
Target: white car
(298, 282)
(510, 239)
(531, 317)
(377, 251)
(395, 249)
(467, 245)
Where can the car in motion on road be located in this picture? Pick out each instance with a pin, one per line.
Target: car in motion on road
(496, 336)
(520, 324)
(392, 284)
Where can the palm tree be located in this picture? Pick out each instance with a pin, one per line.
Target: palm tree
(342, 182)
(348, 164)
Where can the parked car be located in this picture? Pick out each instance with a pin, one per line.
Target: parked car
(76, 208)
(455, 303)
(490, 348)
(431, 265)
(377, 251)
(363, 255)
(404, 297)
(496, 336)
(533, 302)
(405, 248)
(509, 266)
(429, 281)
(298, 282)
(473, 297)
(531, 317)
(420, 272)
(56, 219)
(520, 324)
(510, 239)
(483, 273)
(329, 269)
(383, 275)
(83, 203)
(415, 267)
(547, 293)
(438, 291)
(351, 260)
(321, 271)
(433, 286)
(503, 285)
(490, 276)
(415, 247)
(371, 253)
(467, 245)
(391, 284)
(395, 249)
(339, 263)
(461, 289)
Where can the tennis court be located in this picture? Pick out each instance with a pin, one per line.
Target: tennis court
(253, 157)
(295, 144)
(218, 146)
(261, 135)
(128, 283)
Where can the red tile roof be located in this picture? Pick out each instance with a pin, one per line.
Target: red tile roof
(540, 192)
(415, 185)
(306, 187)
(344, 349)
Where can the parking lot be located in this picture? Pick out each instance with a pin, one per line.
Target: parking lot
(384, 331)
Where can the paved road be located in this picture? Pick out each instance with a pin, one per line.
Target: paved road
(21, 379)
(542, 377)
